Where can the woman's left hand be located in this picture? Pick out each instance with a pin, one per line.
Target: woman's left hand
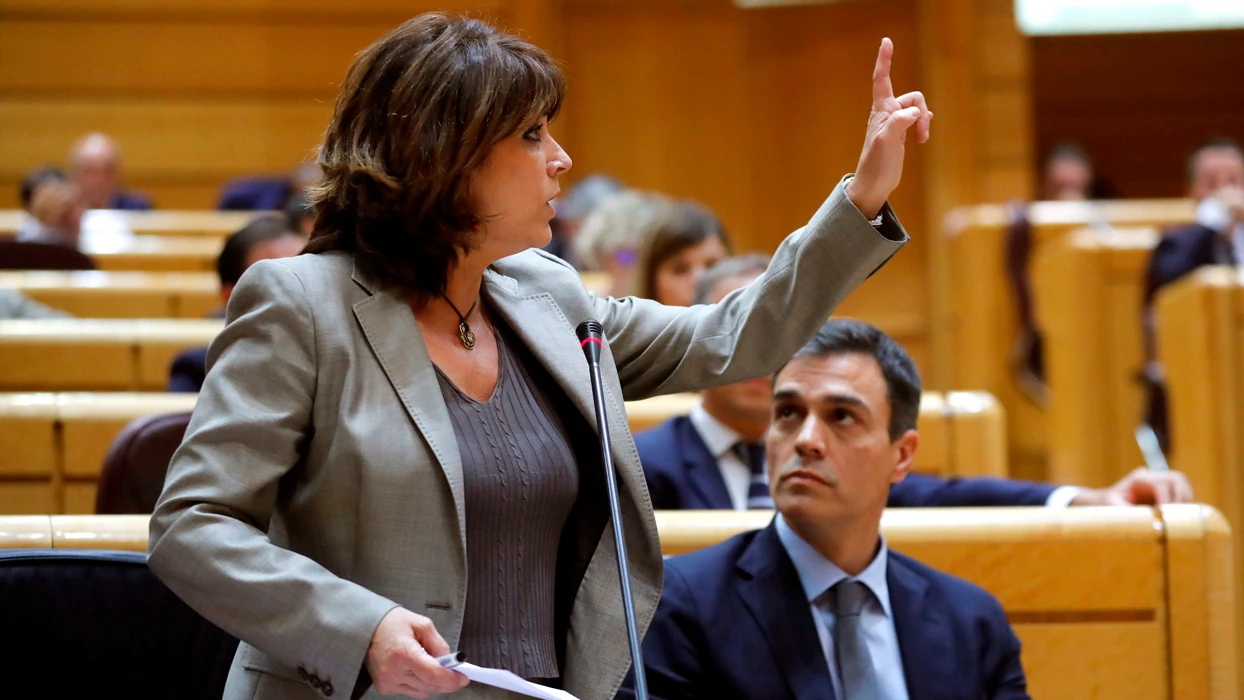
(881, 163)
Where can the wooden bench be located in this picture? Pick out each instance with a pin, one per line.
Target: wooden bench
(1109, 603)
(160, 254)
(1089, 291)
(163, 222)
(95, 354)
(1200, 337)
(976, 310)
(97, 294)
(59, 441)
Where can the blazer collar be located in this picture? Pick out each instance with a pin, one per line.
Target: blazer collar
(703, 471)
(539, 322)
(391, 330)
(771, 591)
(921, 625)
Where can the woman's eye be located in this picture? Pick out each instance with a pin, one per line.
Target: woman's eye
(533, 134)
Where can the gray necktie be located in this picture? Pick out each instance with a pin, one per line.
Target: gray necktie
(855, 668)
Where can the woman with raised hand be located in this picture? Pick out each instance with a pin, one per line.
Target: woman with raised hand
(393, 454)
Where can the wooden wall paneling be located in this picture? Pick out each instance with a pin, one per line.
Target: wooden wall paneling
(298, 10)
(1138, 102)
(164, 57)
(657, 99)
(811, 77)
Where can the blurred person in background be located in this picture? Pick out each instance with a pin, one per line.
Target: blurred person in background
(685, 239)
(1067, 176)
(1216, 181)
(611, 236)
(95, 166)
(266, 238)
(30, 226)
(573, 207)
(56, 209)
(269, 193)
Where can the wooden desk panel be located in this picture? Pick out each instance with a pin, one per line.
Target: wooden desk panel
(127, 294)
(161, 254)
(980, 325)
(1200, 334)
(1089, 290)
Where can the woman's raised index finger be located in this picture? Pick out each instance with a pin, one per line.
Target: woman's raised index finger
(882, 88)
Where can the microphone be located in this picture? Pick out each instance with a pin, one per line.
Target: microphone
(591, 339)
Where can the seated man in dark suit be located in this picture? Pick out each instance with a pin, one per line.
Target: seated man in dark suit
(712, 459)
(1216, 182)
(266, 237)
(95, 166)
(816, 605)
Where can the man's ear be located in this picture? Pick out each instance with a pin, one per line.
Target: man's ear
(905, 455)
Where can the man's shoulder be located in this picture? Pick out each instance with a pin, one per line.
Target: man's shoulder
(963, 598)
(660, 442)
(1182, 239)
(711, 566)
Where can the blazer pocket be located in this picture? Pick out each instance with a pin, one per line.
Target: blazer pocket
(252, 659)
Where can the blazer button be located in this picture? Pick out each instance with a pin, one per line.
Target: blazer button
(302, 673)
(315, 682)
(327, 689)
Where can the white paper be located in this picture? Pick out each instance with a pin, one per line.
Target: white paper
(508, 681)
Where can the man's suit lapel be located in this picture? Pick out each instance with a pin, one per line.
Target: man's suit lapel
(702, 469)
(771, 591)
(393, 333)
(921, 626)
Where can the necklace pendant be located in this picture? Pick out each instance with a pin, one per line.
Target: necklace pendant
(466, 336)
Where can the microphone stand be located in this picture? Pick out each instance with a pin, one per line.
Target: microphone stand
(591, 340)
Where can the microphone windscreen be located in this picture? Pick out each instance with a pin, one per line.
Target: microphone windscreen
(589, 329)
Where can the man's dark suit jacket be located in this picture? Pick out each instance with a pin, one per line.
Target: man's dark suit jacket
(129, 201)
(1178, 253)
(734, 622)
(683, 475)
(188, 370)
(255, 194)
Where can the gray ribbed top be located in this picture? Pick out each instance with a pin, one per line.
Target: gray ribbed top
(521, 481)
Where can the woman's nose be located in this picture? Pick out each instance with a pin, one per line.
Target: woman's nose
(560, 162)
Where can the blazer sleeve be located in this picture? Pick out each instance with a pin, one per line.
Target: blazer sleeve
(925, 491)
(209, 541)
(672, 649)
(661, 349)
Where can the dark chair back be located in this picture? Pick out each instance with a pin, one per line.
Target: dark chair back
(87, 624)
(133, 472)
(23, 255)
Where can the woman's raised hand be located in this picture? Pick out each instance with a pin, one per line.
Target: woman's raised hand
(881, 162)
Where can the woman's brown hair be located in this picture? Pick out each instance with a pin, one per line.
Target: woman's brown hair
(679, 227)
(418, 113)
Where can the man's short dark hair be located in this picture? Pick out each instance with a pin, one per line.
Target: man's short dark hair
(232, 261)
(902, 379)
(1216, 143)
(734, 266)
(36, 177)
